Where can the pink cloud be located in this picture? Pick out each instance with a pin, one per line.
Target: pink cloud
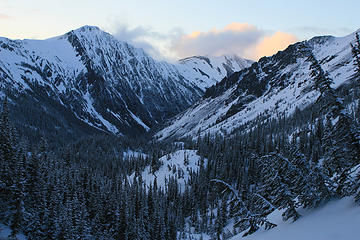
(272, 44)
(243, 39)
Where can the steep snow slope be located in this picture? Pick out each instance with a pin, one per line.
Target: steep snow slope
(273, 85)
(96, 80)
(175, 166)
(337, 220)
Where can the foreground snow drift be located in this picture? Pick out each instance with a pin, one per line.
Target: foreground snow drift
(336, 221)
(5, 232)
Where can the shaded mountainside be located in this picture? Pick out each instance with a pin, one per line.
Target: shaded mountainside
(273, 85)
(87, 81)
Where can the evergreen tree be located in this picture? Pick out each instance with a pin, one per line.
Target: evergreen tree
(342, 149)
(281, 178)
(357, 188)
(7, 166)
(18, 195)
(356, 54)
(251, 210)
(221, 218)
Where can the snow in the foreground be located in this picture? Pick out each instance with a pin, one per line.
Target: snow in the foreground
(178, 165)
(338, 220)
(5, 232)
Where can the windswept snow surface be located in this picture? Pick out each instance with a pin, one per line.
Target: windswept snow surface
(173, 166)
(338, 220)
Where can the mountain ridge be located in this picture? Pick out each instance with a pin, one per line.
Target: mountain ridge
(271, 86)
(103, 82)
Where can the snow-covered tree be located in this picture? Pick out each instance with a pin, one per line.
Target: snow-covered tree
(252, 210)
(341, 146)
(281, 179)
(356, 54)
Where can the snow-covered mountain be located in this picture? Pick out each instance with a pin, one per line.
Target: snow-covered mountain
(277, 84)
(206, 71)
(87, 79)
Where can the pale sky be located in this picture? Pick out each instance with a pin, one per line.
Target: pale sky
(175, 29)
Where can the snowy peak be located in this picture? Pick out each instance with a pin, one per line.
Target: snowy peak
(89, 32)
(101, 82)
(88, 28)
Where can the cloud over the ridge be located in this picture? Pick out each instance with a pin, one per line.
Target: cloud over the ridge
(243, 39)
(234, 38)
(139, 37)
